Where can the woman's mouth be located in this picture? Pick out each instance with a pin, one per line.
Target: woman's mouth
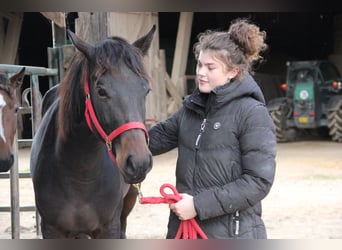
(201, 81)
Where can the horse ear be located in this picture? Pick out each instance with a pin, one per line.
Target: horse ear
(17, 79)
(144, 42)
(84, 47)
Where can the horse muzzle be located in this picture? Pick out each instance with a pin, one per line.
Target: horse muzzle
(135, 169)
(134, 159)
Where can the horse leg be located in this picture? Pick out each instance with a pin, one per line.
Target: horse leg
(51, 232)
(129, 202)
(110, 230)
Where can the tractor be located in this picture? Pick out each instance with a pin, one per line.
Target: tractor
(312, 101)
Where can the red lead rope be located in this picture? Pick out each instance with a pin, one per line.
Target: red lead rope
(187, 228)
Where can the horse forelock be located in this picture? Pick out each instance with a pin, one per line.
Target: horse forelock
(115, 50)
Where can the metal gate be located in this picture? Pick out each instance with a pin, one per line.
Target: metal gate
(35, 110)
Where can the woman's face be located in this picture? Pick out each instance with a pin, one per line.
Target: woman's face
(212, 72)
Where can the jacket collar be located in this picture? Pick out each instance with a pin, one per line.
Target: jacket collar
(221, 95)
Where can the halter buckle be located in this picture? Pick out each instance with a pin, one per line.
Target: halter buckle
(109, 145)
(138, 187)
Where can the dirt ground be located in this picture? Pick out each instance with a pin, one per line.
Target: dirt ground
(305, 201)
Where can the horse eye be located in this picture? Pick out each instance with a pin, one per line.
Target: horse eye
(16, 109)
(102, 92)
(148, 91)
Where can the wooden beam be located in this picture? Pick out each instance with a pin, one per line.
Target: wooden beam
(172, 89)
(10, 36)
(161, 86)
(182, 50)
(57, 17)
(92, 26)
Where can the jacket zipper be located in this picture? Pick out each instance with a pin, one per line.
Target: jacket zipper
(237, 224)
(198, 139)
(197, 146)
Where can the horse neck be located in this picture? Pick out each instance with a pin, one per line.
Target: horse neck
(82, 150)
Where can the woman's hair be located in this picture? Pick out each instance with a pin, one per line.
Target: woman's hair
(239, 47)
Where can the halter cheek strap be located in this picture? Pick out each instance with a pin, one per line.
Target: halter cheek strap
(91, 118)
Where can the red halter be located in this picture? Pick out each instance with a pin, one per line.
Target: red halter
(108, 139)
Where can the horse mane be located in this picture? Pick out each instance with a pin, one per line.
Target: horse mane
(112, 52)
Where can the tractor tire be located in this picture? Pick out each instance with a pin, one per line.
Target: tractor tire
(278, 120)
(279, 117)
(335, 125)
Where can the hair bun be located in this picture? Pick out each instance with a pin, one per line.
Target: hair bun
(248, 38)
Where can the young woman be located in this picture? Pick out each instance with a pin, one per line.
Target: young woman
(225, 138)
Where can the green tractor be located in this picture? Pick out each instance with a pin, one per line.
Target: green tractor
(313, 101)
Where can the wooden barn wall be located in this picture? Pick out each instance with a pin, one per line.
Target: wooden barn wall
(133, 25)
(92, 26)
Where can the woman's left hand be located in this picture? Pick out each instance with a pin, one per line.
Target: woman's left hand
(185, 208)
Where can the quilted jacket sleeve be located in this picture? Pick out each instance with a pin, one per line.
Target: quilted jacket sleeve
(164, 135)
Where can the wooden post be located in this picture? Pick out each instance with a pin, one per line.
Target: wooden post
(36, 101)
(182, 51)
(14, 186)
(174, 98)
(55, 54)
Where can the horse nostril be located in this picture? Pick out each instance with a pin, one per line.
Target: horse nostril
(130, 166)
(11, 159)
(136, 167)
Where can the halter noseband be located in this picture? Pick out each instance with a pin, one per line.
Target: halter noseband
(91, 118)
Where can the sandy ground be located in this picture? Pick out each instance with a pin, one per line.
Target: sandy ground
(305, 201)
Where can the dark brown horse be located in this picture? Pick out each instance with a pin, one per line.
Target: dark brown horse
(92, 142)
(9, 105)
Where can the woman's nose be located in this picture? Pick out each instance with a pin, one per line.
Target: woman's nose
(201, 71)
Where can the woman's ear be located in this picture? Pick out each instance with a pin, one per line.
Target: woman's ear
(233, 72)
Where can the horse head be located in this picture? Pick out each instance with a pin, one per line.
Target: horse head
(9, 105)
(115, 86)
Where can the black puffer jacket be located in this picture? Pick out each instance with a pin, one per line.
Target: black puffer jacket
(226, 158)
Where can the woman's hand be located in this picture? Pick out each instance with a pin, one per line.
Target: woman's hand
(185, 208)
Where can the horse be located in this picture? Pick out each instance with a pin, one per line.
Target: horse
(9, 106)
(91, 145)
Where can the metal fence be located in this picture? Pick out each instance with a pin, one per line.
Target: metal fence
(34, 73)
